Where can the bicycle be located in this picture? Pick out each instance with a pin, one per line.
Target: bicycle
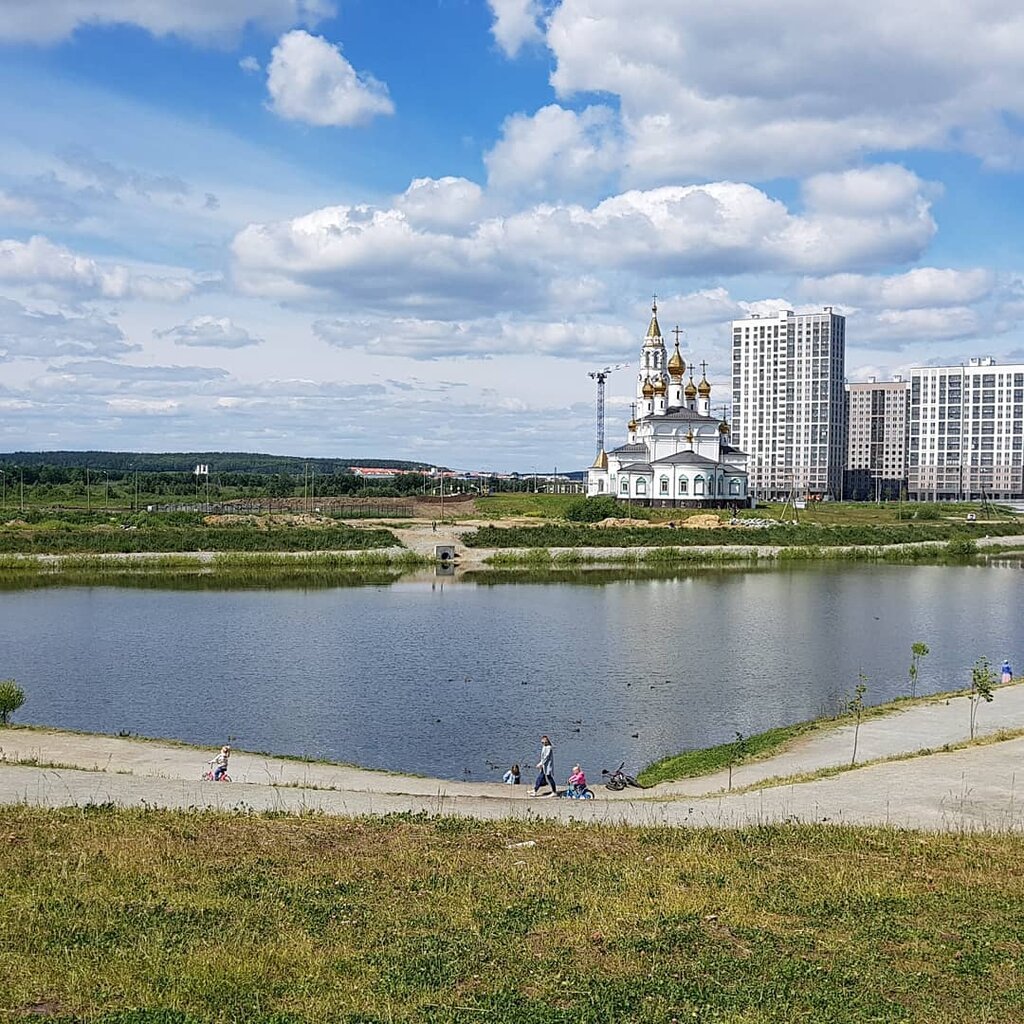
(618, 779)
(208, 776)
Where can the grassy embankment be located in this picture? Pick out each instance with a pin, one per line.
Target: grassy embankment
(281, 549)
(809, 536)
(202, 917)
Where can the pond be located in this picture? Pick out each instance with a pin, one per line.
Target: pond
(458, 679)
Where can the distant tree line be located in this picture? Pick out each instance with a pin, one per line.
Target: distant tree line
(185, 462)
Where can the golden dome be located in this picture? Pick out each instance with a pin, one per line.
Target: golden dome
(723, 428)
(704, 388)
(631, 425)
(676, 364)
(691, 389)
(659, 387)
(601, 462)
(648, 389)
(653, 328)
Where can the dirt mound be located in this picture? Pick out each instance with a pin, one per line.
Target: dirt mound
(612, 521)
(704, 521)
(266, 522)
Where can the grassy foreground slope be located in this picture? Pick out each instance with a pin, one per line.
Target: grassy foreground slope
(206, 917)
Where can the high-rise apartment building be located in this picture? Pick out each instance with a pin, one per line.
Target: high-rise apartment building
(877, 424)
(788, 401)
(966, 431)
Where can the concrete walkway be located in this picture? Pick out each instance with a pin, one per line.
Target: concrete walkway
(968, 789)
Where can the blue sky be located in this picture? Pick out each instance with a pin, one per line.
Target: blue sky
(409, 227)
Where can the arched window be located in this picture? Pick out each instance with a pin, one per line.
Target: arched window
(698, 485)
(734, 487)
(624, 486)
(664, 486)
(600, 485)
(721, 485)
(641, 485)
(682, 485)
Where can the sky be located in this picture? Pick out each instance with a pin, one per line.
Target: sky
(409, 228)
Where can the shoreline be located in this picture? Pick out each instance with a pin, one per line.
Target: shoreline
(493, 561)
(955, 786)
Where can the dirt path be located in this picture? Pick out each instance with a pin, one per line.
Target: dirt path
(972, 788)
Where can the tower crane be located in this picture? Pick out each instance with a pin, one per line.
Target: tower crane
(601, 376)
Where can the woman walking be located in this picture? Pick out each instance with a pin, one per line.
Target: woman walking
(546, 768)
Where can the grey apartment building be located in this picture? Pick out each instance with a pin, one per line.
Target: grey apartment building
(789, 401)
(966, 431)
(877, 429)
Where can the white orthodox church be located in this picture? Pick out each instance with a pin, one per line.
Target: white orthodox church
(676, 453)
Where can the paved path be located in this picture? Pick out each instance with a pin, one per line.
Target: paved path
(968, 789)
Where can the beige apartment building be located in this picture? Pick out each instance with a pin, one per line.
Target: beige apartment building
(877, 429)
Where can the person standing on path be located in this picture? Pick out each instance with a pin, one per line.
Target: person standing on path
(546, 768)
(1007, 672)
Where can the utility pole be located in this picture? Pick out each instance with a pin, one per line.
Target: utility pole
(601, 376)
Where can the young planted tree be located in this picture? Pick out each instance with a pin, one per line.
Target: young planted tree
(983, 681)
(856, 707)
(12, 696)
(737, 751)
(917, 652)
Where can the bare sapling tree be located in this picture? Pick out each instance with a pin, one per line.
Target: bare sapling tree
(983, 681)
(12, 696)
(856, 707)
(917, 652)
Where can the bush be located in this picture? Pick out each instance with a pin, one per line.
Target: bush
(961, 547)
(12, 696)
(592, 510)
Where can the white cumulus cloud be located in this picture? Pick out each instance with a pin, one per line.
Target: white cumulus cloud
(919, 288)
(758, 91)
(49, 21)
(50, 269)
(555, 149)
(516, 23)
(309, 80)
(210, 332)
(37, 334)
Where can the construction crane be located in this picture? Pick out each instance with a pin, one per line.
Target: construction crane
(601, 376)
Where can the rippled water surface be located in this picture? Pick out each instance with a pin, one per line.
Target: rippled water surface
(459, 680)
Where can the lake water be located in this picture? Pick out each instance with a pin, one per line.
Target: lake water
(458, 680)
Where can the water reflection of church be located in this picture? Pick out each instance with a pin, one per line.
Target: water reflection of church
(676, 452)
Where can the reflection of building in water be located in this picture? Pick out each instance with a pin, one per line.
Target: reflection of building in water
(676, 452)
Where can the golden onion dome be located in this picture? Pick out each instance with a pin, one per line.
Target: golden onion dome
(691, 389)
(704, 388)
(648, 389)
(723, 428)
(676, 363)
(660, 387)
(631, 426)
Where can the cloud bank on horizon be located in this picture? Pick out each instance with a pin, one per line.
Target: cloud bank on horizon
(315, 227)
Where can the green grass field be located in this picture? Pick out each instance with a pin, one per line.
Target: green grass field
(144, 917)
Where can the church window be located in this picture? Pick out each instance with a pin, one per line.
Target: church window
(664, 485)
(641, 486)
(624, 486)
(734, 487)
(682, 485)
(698, 485)
(600, 486)
(721, 485)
